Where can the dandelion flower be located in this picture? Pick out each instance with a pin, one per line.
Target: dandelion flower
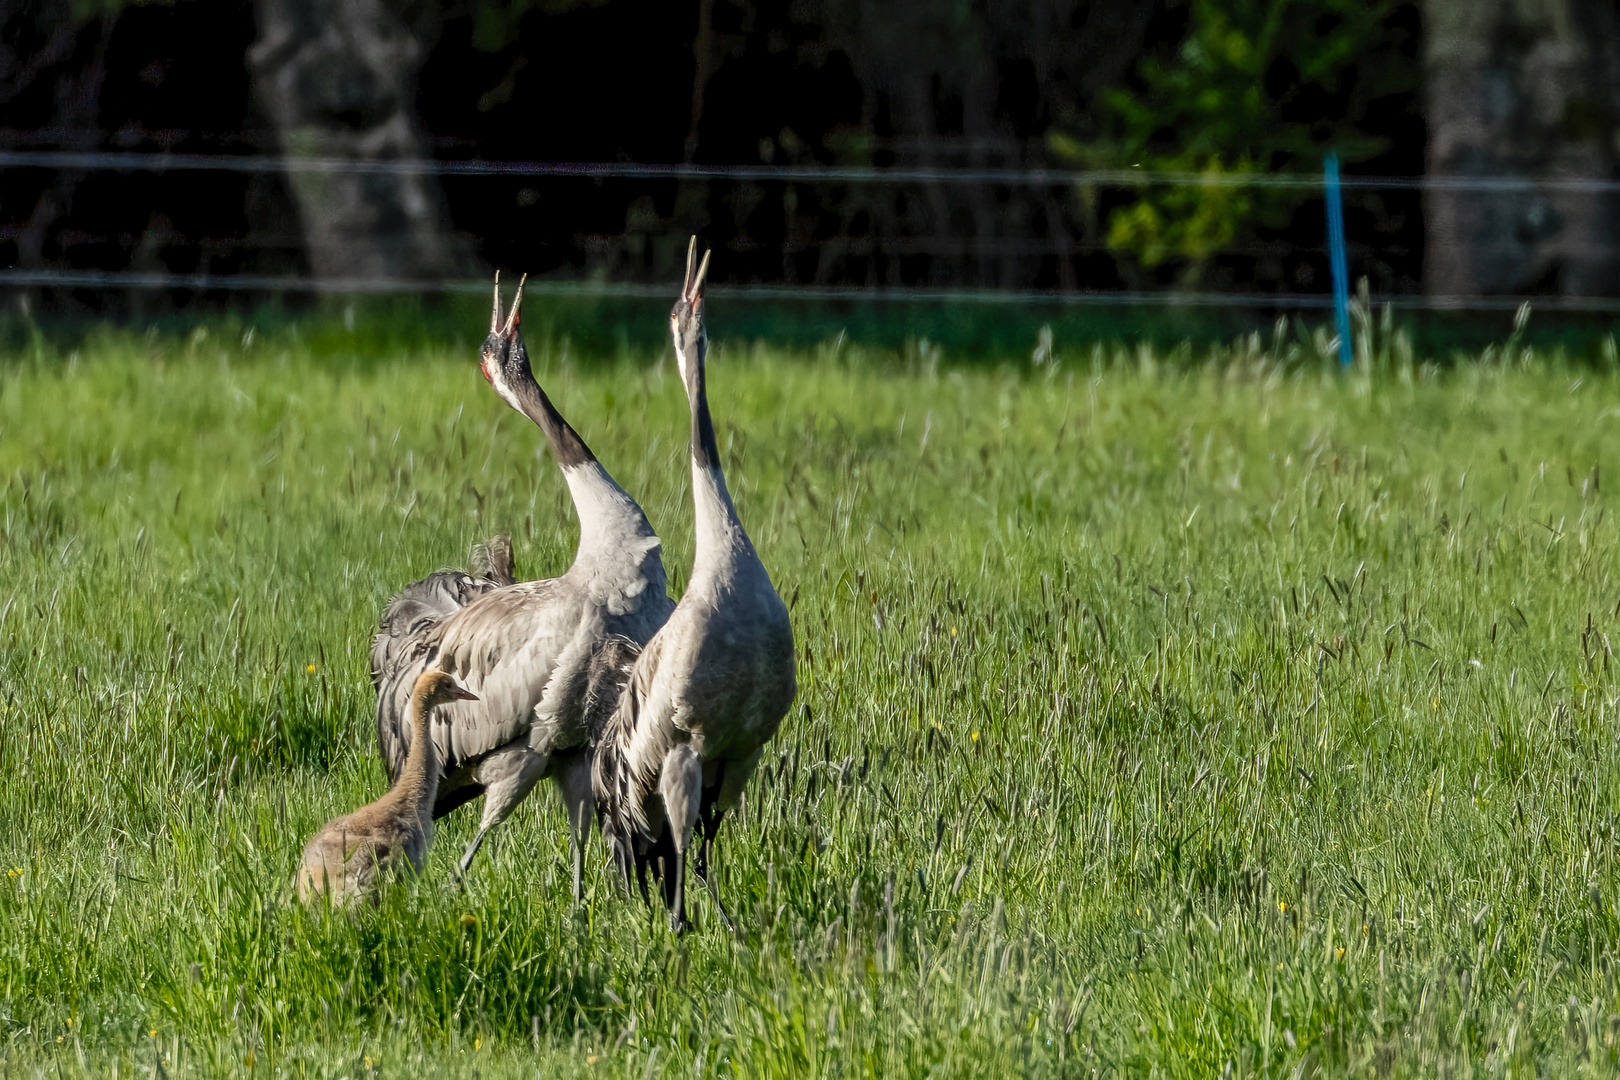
(1282, 905)
(310, 669)
(1339, 953)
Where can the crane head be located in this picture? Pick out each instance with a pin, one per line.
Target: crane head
(503, 359)
(441, 688)
(686, 318)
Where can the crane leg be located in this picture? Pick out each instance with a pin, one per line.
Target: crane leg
(677, 910)
(711, 816)
(714, 895)
(507, 775)
(579, 871)
(472, 849)
(681, 785)
(574, 783)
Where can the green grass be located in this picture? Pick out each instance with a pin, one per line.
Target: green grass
(1161, 715)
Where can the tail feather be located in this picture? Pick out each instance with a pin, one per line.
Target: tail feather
(613, 708)
(492, 560)
(608, 675)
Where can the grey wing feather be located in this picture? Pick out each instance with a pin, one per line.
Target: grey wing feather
(422, 604)
(620, 787)
(503, 646)
(409, 622)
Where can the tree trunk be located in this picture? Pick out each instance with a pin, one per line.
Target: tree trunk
(338, 79)
(1521, 89)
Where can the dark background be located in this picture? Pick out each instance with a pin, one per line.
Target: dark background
(1259, 86)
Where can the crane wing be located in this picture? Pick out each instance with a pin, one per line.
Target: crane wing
(503, 646)
(423, 604)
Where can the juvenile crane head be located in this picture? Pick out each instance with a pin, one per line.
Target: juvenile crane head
(503, 359)
(441, 688)
(686, 319)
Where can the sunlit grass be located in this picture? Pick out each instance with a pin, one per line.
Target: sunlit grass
(1157, 715)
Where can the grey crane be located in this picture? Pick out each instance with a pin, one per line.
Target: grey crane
(526, 649)
(711, 687)
(353, 854)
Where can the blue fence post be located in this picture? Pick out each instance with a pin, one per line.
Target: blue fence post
(1341, 266)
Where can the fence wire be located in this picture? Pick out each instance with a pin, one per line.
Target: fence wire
(619, 170)
(113, 279)
(1134, 178)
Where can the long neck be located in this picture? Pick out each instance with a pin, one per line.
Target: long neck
(566, 444)
(418, 782)
(606, 511)
(715, 517)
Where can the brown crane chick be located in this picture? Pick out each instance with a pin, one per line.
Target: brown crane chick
(355, 853)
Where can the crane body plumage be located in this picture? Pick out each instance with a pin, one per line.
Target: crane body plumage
(526, 648)
(711, 687)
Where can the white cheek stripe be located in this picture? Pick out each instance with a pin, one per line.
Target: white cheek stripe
(505, 391)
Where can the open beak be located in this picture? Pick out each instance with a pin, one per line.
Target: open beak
(512, 315)
(692, 287)
(495, 325)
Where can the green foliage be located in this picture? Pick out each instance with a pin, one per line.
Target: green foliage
(1157, 712)
(1255, 87)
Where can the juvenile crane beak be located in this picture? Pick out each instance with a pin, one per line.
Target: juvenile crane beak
(461, 693)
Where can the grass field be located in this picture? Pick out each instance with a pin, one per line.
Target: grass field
(1159, 715)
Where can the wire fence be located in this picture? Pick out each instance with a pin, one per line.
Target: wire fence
(262, 283)
(621, 170)
(1057, 241)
